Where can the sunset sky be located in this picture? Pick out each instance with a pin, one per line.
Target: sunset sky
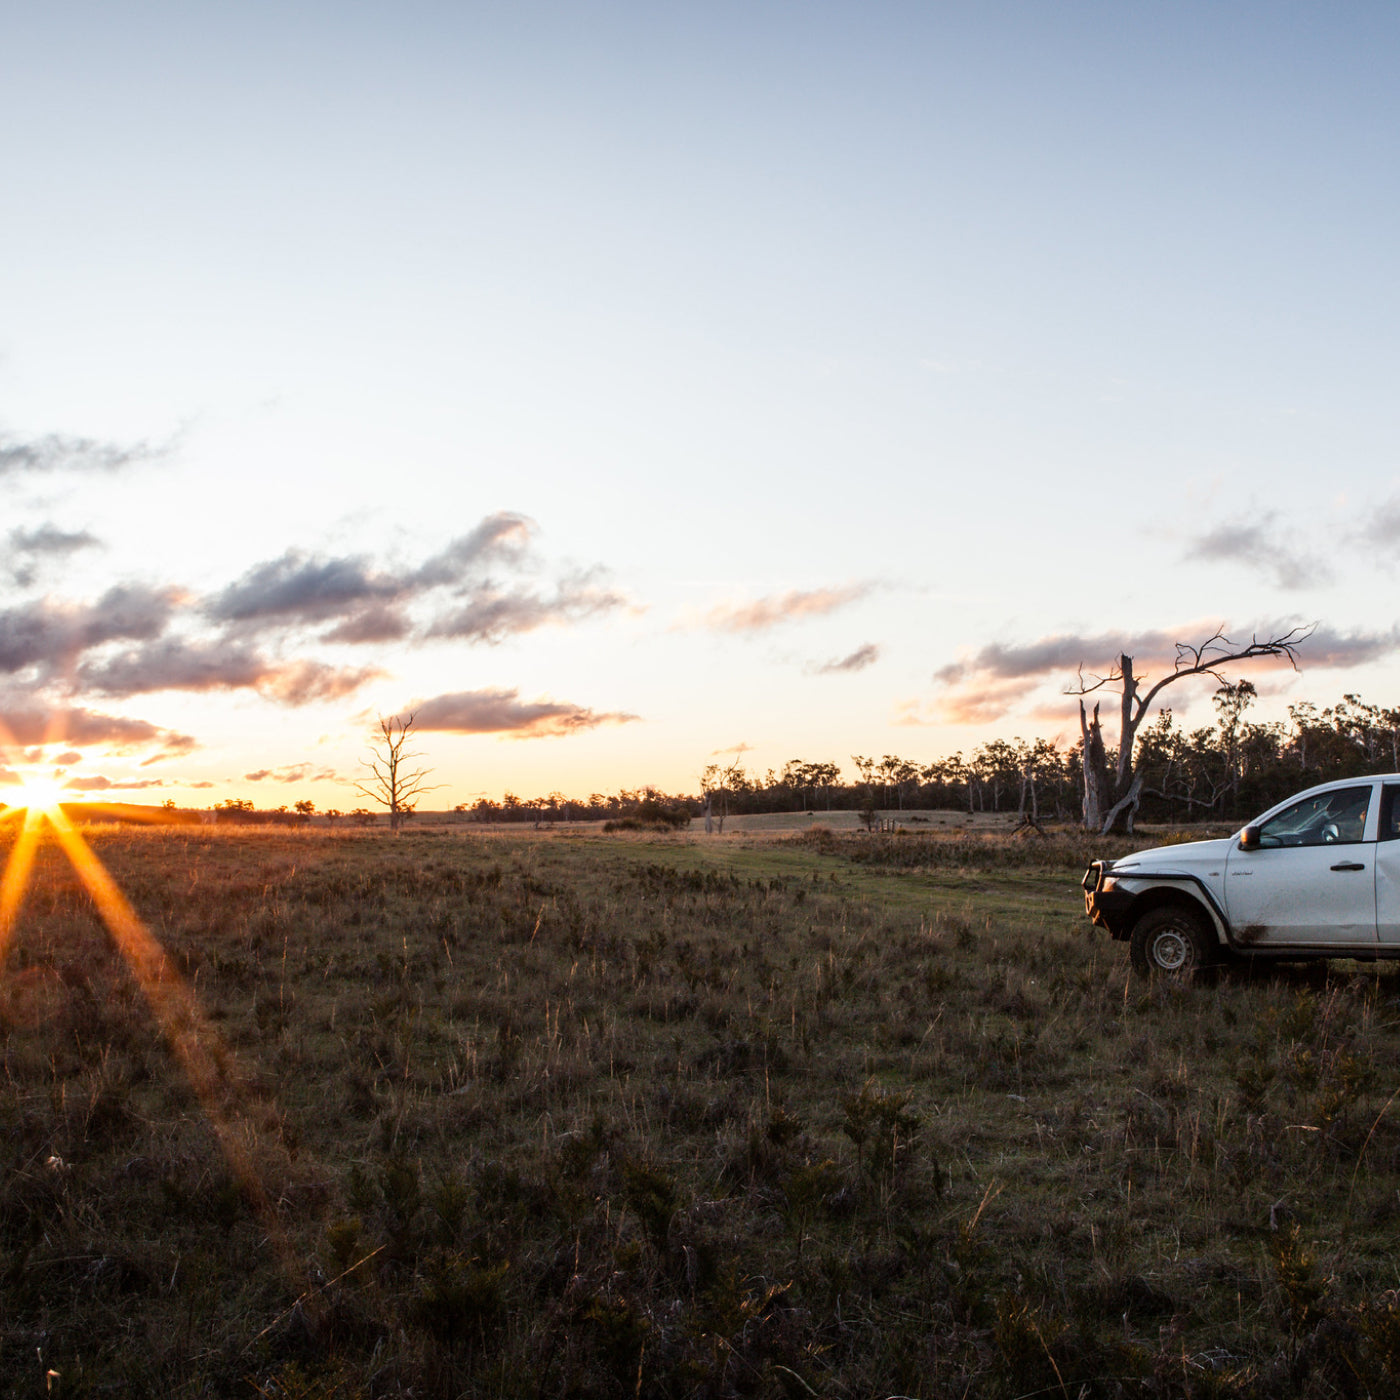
(617, 385)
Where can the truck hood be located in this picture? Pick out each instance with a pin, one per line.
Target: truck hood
(1189, 855)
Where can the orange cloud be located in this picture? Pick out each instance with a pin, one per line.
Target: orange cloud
(980, 700)
(297, 682)
(27, 721)
(759, 614)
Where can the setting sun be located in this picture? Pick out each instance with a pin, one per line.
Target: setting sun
(38, 794)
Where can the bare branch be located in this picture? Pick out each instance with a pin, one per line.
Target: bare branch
(1094, 682)
(1197, 661)
(1111, 795)
(391, 785)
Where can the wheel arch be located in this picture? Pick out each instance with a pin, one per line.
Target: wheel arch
(1159, 896)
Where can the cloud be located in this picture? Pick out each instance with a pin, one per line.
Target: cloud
(300, 682)
(23, 722)
(1382, 526)
(49, 634)
(1256, 543)
(492, 615)
(1066, 651)
(138, 639)
(987, 684)
(376, 622)
(100, 784)
(173, 663)
(979, 701)
(49, 539)
(302, 589)
(503, 712)
(299, 588)
(295, 773)
(858, 660)
(760, 614)
(1334, 650)
(56, 452)
(503, 536)
(30, 550)
(367, 604)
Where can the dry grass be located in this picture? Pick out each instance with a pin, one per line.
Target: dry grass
(657, 1117)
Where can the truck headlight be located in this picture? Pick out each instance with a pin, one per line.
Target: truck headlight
(1108, 884)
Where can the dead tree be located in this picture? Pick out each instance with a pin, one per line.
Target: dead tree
(1112, 791)
(1028, 819)
(720, 781)
(393, 784)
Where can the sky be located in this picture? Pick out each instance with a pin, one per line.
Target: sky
(617, 387)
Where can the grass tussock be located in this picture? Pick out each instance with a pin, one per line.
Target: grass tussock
(588, 1118)
(1028, 848)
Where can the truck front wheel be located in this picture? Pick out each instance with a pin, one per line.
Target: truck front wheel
(1171, 941)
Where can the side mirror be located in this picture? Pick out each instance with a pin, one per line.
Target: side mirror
(1249, 839)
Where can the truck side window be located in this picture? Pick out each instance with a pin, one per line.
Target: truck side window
(1326, 818)
(1390, 812)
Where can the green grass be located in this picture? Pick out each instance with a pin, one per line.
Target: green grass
(565, 1115)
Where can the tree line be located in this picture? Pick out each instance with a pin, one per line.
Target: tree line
(1227, 770)
(1232, 768)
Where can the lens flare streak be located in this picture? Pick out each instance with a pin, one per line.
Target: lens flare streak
(16, 878)
(206, 1064)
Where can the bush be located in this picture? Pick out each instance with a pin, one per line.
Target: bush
(650, 815)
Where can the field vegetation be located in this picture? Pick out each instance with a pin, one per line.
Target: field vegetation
(822, 1114)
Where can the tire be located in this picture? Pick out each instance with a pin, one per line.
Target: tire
(1173, 942)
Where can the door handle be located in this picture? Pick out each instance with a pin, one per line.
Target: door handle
(1349, 865)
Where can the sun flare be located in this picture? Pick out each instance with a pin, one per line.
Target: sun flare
(38, 794)
(208, 1065)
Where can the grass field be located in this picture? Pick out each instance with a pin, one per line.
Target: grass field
(917, 820)
(568, 1115)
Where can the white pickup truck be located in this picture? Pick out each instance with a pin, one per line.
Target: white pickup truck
(1317, 876)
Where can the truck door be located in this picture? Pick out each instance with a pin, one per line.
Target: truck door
(1312, 879)
(1388, 868)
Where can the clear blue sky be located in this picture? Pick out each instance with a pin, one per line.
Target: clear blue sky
(808, 365)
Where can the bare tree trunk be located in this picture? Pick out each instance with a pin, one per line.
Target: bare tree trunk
(1095, 765)
(1127, 785)
(1127, 803)
(1111, 794)
(1109, 797)
(1128, 726)
(390, 783)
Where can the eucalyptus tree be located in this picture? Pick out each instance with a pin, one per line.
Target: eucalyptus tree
(1113, 790)
(824, 776)
(720, 781)
(392, 781)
